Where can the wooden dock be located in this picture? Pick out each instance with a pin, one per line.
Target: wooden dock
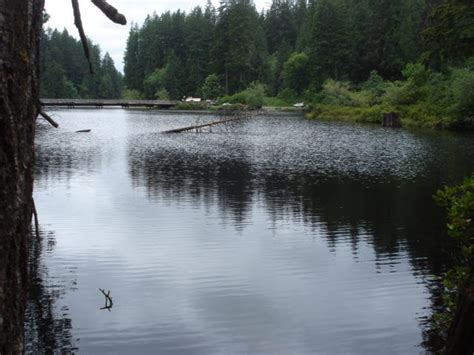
(73, 103)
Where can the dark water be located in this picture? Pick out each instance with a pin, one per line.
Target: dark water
(272, 236)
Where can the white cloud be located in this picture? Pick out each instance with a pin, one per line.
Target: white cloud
(112, 37)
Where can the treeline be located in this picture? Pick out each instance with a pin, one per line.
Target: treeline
(64, 72)
(293, 46)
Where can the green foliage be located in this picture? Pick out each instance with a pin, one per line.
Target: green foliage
(162, 94)
(416, 72)
(131, 94)
(423, 99)
(463, 91)
(372, 114)
(338, 93)
(332, 44)
(295, 72)
(64, 72)
(459, 204)
(375, 84)
(277, 102)
(154, 83)
(450, 33)
(253, 96)
(191, 106)
(211, 89)
(352, 53)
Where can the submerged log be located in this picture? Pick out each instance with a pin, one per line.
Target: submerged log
(237, 115)
(391, 119)
(49, 119)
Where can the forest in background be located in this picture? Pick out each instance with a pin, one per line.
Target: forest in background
(350, 59)
(346, 59)
(64, 71)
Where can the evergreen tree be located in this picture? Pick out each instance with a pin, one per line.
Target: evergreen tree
(332, 42)
(449, 38)
(132, 63)
(65, 73)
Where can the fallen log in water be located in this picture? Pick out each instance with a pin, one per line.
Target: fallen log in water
(83, 131)
(49, 119)
(236, 116)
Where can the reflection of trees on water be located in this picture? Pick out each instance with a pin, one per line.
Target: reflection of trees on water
(179, 176)
(46, 331)
(63, 159)
(391, 214)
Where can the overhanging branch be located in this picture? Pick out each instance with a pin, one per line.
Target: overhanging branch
(110, 11)
(78, 23)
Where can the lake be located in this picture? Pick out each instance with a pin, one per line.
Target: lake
(274, 235)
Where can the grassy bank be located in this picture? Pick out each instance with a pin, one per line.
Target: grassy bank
(423, 98)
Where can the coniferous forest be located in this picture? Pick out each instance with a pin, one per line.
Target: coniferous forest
(346, 59)
(65, 72)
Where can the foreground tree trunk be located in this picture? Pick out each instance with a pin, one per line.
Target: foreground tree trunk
(20, 27)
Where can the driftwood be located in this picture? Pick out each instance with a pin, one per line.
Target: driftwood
(49, 119)
(190, 128)
(237, 116)
(83, 131)
(108, 300)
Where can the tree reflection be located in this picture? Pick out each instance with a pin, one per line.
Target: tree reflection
(391, 214)
(46, 331)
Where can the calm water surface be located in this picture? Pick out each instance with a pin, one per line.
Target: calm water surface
(272, 236)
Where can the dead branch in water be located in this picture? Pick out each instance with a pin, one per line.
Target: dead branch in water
(49, 119)
(108, 299)
(236, 116)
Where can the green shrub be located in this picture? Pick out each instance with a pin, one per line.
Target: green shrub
(154, 83)
(459, 204)
(252, 97)
(423, 98)
(212, 89)
(162, 94)
(417, 73)
(463, 89)
(372, 114)
(191, 106)
(129, 94)
(289, 95)
(276, 102)
(374, 84)
(336, 93)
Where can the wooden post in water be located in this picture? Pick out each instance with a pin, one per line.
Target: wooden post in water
(391, 119)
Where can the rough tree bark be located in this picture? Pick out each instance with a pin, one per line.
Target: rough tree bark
(20, 27)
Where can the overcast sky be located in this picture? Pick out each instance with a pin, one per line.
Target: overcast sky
(112, 37)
